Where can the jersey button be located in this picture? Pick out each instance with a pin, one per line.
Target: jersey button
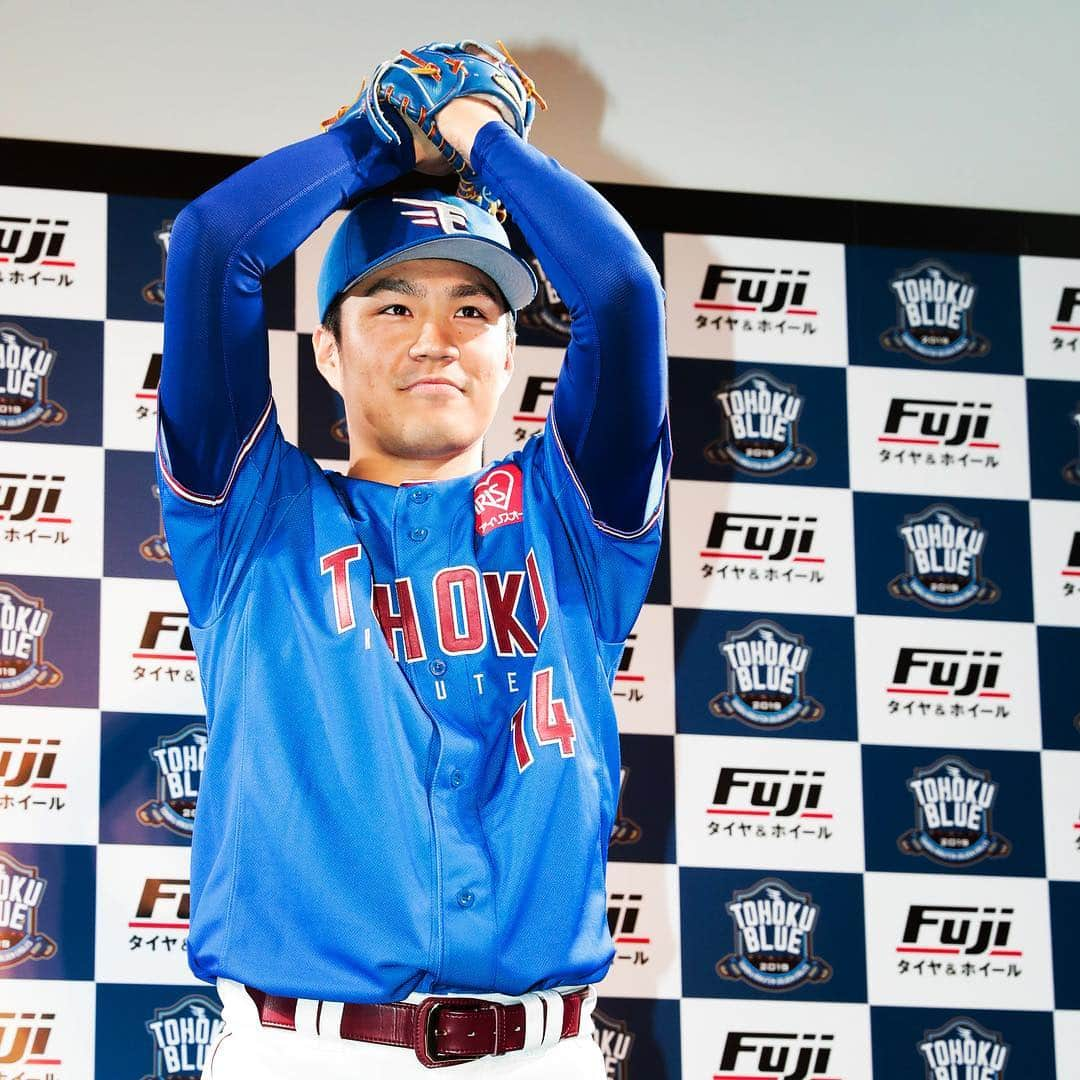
(465, 898)
(437, 667)
(418, 534)
(456, 778)
(420, 495)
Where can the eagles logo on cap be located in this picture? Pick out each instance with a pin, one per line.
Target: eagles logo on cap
(445, 216)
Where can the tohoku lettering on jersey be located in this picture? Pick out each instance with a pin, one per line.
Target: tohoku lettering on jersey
(414, 680)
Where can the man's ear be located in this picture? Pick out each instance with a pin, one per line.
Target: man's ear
(327, 356)
(508, 365)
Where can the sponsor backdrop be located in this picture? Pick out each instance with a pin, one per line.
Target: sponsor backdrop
(848, 840)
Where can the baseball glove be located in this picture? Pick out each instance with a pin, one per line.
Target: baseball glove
(419, 84)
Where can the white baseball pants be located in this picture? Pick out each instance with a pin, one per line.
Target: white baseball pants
(248, 1051)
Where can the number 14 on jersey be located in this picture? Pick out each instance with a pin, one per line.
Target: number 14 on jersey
(550, 721)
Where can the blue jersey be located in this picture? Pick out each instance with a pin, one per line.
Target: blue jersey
(413, 759)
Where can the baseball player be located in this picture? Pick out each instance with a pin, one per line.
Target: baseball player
(413, 766)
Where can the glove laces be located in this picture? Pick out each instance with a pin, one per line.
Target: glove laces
(526, 81)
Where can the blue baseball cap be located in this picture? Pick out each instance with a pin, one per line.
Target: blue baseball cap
(425, 224)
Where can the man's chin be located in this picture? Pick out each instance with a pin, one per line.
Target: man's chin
(433, 443)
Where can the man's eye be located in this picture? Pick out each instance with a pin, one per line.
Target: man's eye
(472, 311)
(395, 309)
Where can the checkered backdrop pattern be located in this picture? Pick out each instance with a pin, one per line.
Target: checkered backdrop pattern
(848, 840)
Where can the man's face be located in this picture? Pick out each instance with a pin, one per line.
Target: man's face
(423, 358)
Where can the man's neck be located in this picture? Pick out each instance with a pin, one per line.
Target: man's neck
(387, 469)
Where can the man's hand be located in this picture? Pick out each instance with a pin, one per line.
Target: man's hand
(428, 159)
(462, 118)
(459, 121)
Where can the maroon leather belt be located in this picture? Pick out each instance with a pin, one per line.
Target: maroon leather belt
(441, 1030)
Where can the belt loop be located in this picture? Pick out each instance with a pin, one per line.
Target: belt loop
(304, 1018)
(330, 1020)
(238, 1008)
(534, 1020)
(553, 1019)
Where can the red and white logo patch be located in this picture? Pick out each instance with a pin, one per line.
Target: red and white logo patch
(497, 499)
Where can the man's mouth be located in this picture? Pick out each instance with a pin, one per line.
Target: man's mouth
(434, 386)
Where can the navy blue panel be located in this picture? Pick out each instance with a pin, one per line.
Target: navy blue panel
(135, 1038)
(138, 234)
(1000, 572)
(987, 335)
(1065, 934)
(151, 770)
(65, 655)
(59, 398)
(49, 932)
(1015, 814)
(786, 423)
(1059, 690)
(836, 940)
(639, 1037)
(897, 1035)
(1054, 438)
(702, 673)
(644, 826)
(135, 543)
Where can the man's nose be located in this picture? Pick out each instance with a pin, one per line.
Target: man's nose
(435, 339)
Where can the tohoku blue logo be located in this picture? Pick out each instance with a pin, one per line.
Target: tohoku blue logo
(24, 622)
(774, 938)
(943, 554)
(153, 292)
(179, 760)
(953, 802)
(26, 362)
(155, 548)
(1071, 472)
(766, 678)
(762, 416)
(964, 1050)
(182, 1034)
(21, 891)
(934, 308)
(616, 1041)
(624, 830)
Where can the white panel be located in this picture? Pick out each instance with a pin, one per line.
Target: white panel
(147, 663)
(644, 689)
(920, 683)
(746, 547)
(790, 804)
(53, 252)
(525, 402)
(958, 943)
(938, 433)
(132, 371)
(766, 301)
(778, 1039)
(1061, 813)
(53, 513)
(53, 1035)
(143, 893)
(50, 775)
(1055, 569)
(1050, 312)
(643, 905)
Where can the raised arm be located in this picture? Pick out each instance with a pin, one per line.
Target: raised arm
(215, 381)
(610, 403)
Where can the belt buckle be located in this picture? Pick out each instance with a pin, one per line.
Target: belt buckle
(424, 1035)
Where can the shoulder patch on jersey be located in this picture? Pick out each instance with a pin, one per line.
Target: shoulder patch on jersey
(497, 499)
